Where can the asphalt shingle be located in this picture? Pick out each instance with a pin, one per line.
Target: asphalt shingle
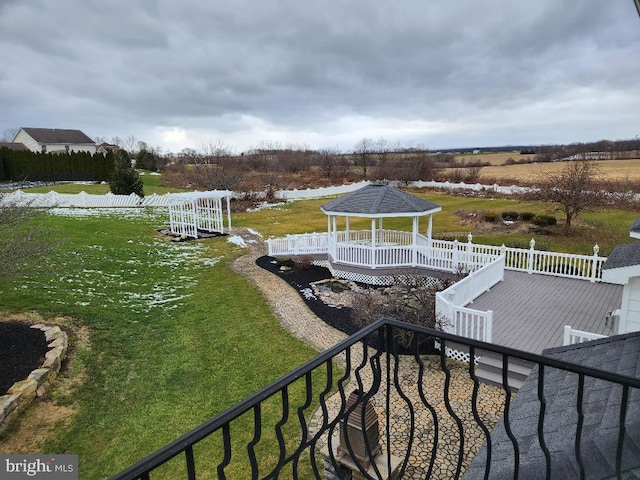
(601, 409)
(623, 256)
(378, 199)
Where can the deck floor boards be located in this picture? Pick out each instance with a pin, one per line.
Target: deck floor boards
(531, 310)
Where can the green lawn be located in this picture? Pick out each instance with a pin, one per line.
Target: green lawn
(152, 184)
(175, 340)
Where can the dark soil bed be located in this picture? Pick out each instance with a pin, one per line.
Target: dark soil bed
(300, 278)
(22, 349)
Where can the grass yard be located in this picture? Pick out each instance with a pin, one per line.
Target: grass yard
(607, 227)
(174, 340)
(175, 336)
(152, 184)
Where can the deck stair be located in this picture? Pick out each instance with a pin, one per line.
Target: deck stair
(489, 370)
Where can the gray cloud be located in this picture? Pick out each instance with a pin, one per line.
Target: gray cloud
(438, 73)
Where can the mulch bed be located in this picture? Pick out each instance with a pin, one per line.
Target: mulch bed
(300, 277)
(22, 350)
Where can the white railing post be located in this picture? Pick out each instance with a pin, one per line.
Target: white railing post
(594, 263)
(567, 335)
(454, 257)
(532, 244)
(469, 249)
(488, 328)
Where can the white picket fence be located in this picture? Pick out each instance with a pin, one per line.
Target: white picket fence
(108, 200)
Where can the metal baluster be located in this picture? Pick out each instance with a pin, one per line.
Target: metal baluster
(432, 410)
(543, 407)
(257, 429)
(474, 409)
(580, 410)
(507, 426)
(226, 440)
(191, 464)
(447, 403)
(623, 415)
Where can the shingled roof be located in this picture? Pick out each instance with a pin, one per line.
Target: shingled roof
(57, 135)
(378, 201)
(623, 256)
(601, 407)
(14, 145)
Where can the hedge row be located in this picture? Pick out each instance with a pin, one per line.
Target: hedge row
(539, 220)
(22, 165)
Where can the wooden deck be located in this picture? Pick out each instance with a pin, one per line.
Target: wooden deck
(531, 310)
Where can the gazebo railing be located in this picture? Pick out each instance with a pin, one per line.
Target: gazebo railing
(436, 254)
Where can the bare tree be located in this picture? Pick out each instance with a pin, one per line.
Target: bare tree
(364, 155)
(327, 159)
(573, 189)
(9, 134)
(25, 245)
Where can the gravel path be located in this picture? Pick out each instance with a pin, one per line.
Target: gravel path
(296, 317)
(285, 302)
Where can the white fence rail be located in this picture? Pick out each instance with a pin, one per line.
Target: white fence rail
(572, 336)
(394, 248)
(342, 189)
(451, 303)
(108, 200)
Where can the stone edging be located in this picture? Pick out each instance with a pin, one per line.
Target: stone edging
(22, 393)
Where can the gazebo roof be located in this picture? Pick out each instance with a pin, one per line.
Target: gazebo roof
(379, 201)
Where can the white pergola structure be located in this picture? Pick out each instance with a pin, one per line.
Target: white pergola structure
(199, 211)
(372, 248)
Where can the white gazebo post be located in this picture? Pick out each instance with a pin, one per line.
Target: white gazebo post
(373, 243)
(347, 229)
(430, 228)
(229, 211)
(414, 241)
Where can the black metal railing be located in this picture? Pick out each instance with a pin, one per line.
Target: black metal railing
(388, 403)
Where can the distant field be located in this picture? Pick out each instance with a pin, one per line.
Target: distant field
(609, 169)
(493, 158)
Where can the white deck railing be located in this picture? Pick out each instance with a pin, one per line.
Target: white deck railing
(572, 336)
(451, 304)
(395, 248)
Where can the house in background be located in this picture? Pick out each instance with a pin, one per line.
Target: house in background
(105, 148)
(13, 146)
(47, 140)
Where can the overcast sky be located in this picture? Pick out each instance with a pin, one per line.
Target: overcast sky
(435, 73)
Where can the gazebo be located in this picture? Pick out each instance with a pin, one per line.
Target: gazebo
(377, 247)
(377, 254)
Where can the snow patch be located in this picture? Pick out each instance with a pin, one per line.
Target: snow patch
(307, 293)
(237, 240)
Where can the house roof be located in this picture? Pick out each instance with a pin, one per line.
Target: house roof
(601, 408)
(57, 135)
(14, 145)
(622, 256)
(379, 201)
